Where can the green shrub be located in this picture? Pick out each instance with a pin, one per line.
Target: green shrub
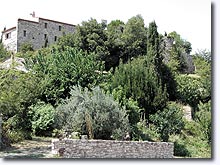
(190, 89)
(203, 117)
(15, 136)
(4, 54)
(93, 113)
(42, 119)
(131, 106)
(13, 130)
(26, 47)
(169, 120)
(180, 149)
(192, 128)
(57, 132)
(142, 132)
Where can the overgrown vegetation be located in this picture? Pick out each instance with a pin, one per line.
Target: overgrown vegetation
(4, 54)
(93, 113)
(107, 80)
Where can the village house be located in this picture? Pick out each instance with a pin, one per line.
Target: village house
(39, 32)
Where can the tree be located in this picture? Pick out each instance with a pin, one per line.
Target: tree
(60, 69)
(66, 40)
(18, 92)
(154, 60)
(204, 54)
(91, 37)
(180, 52)
(190, 90)
(154, 57)
(203, 69)
(93, 113)
(135, 38)
(114, 43)
(140, 83)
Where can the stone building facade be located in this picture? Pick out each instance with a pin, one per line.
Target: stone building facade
(39, 32)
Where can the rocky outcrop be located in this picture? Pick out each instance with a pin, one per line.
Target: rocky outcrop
(16, 63)
(167, 45)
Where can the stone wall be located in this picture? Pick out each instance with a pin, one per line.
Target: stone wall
(72, 148)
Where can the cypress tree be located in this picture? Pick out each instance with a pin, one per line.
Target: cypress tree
(157, 96)
(153, 48)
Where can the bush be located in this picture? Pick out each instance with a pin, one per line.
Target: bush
(93, 113)
(4, 54)
(26, 47)
(180, 149)
(203, 117)
(42, 119)
(14, 130)
(169, 121)
(11, 132)
(190, 89)
(143, 132)
(15, 136)
(131, 106)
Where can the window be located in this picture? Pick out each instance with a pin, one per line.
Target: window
(24, 32)
(55, 38)
(60, 27)
(7, 35)
(45, 25)
(45, 36)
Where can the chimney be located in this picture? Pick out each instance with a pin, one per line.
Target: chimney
(33, 14)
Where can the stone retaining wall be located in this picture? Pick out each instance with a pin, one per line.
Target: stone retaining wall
(72, 148)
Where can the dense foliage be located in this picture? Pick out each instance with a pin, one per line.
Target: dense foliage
(42, 118)
(108, 80)
(93, 113)
(18, 92)
(4, 54)
(140, 83)
(60, 69)
(169, 121)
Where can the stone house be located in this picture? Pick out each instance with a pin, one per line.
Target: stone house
(39, 32)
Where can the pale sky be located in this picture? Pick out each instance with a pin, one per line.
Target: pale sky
(190, 18)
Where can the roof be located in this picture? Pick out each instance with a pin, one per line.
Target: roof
(56, 21)
(28, 20)
(10, 29)
(44, 19)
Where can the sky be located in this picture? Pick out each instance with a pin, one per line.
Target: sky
(189, 18)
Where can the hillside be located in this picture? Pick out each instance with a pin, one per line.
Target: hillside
(109, 81)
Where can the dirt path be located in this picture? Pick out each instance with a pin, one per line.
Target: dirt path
(31, 149)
